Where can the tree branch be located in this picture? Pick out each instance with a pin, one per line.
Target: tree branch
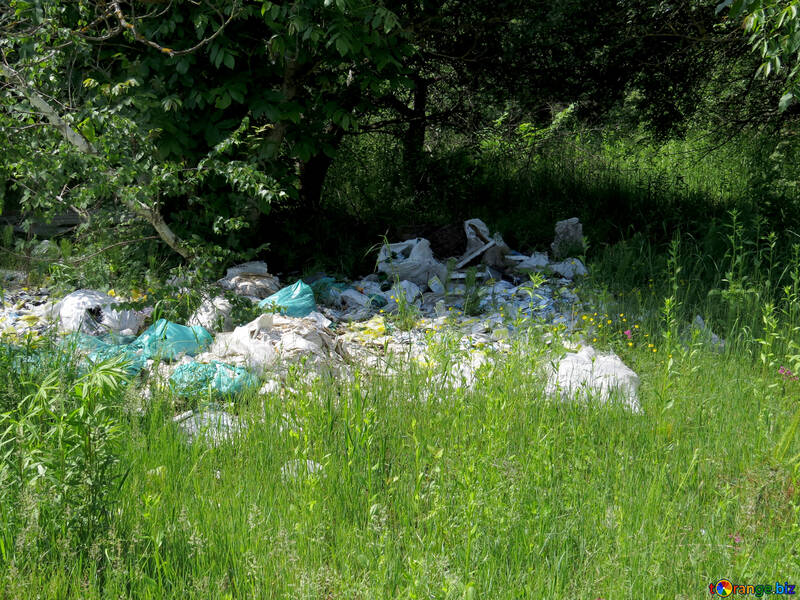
(124, 24)
(150, 213)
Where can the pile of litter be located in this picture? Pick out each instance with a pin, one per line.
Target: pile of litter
(485, 296)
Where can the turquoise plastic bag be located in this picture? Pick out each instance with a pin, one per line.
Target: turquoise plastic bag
(295, 301)
(134, 360)
(167, 340)
(102, 348)
(323, 289)
(219, 378)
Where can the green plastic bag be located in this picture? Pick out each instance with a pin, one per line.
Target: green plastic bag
(323, 289)
(295, 301)
(135, 361)
(167, 340)
(106, 347)
(219, 378)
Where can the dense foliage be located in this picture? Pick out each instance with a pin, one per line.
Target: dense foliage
(222, 130)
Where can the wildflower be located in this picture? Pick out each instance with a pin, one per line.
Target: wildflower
(636, 326)
(609, 321)
(655, 349)
(630, 343)
(628, 333)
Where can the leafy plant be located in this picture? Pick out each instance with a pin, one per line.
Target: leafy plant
(407, 314)
(472, 293)
(59, 448)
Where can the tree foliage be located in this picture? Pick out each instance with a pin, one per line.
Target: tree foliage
(198, 118)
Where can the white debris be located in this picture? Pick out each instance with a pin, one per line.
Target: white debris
(412, 260)
(408, 289)
(215, 426)
(248, 345)
(250, 279)
(491, 248)
(368, 287)
(270, 387)
(535, 262)
(214, 314)
(264, 341)
(587, 375)
(568, 240)
(92, 312)
(354, 299)
(436, 286)
(569, 268)
(256, 267)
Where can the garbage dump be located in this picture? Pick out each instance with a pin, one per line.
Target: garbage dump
(485, 296)
(214, 314)
(211, 424)
(412, 261)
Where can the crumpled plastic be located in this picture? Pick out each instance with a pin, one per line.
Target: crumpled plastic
(218, 378)
(297, 300)
(93, 312)
(412, 260)
(167, 340)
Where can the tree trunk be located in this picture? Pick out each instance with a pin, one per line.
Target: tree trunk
(314, 170)
(414, 139)
(312, 180)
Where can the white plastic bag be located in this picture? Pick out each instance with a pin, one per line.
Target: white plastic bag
(412, 260)
(93, 312)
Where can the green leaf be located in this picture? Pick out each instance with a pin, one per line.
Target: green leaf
(224, 101)
(86, 127)
(785, 101)
(229, 61)
(342, 45)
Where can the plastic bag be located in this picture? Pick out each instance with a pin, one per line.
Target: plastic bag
(167, 340)
(294, 301)
(412, 260)
(92, 312)
(328, 291)
(219, 378)
(214, 314)
(107, 347)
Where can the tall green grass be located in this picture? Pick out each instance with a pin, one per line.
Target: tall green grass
(618, 182)
(432, 491)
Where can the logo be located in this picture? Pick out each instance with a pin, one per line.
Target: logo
(725, 588)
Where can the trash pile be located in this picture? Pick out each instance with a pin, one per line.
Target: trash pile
(485, 295)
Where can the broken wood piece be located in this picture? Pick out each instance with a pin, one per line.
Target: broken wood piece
(475, 254)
